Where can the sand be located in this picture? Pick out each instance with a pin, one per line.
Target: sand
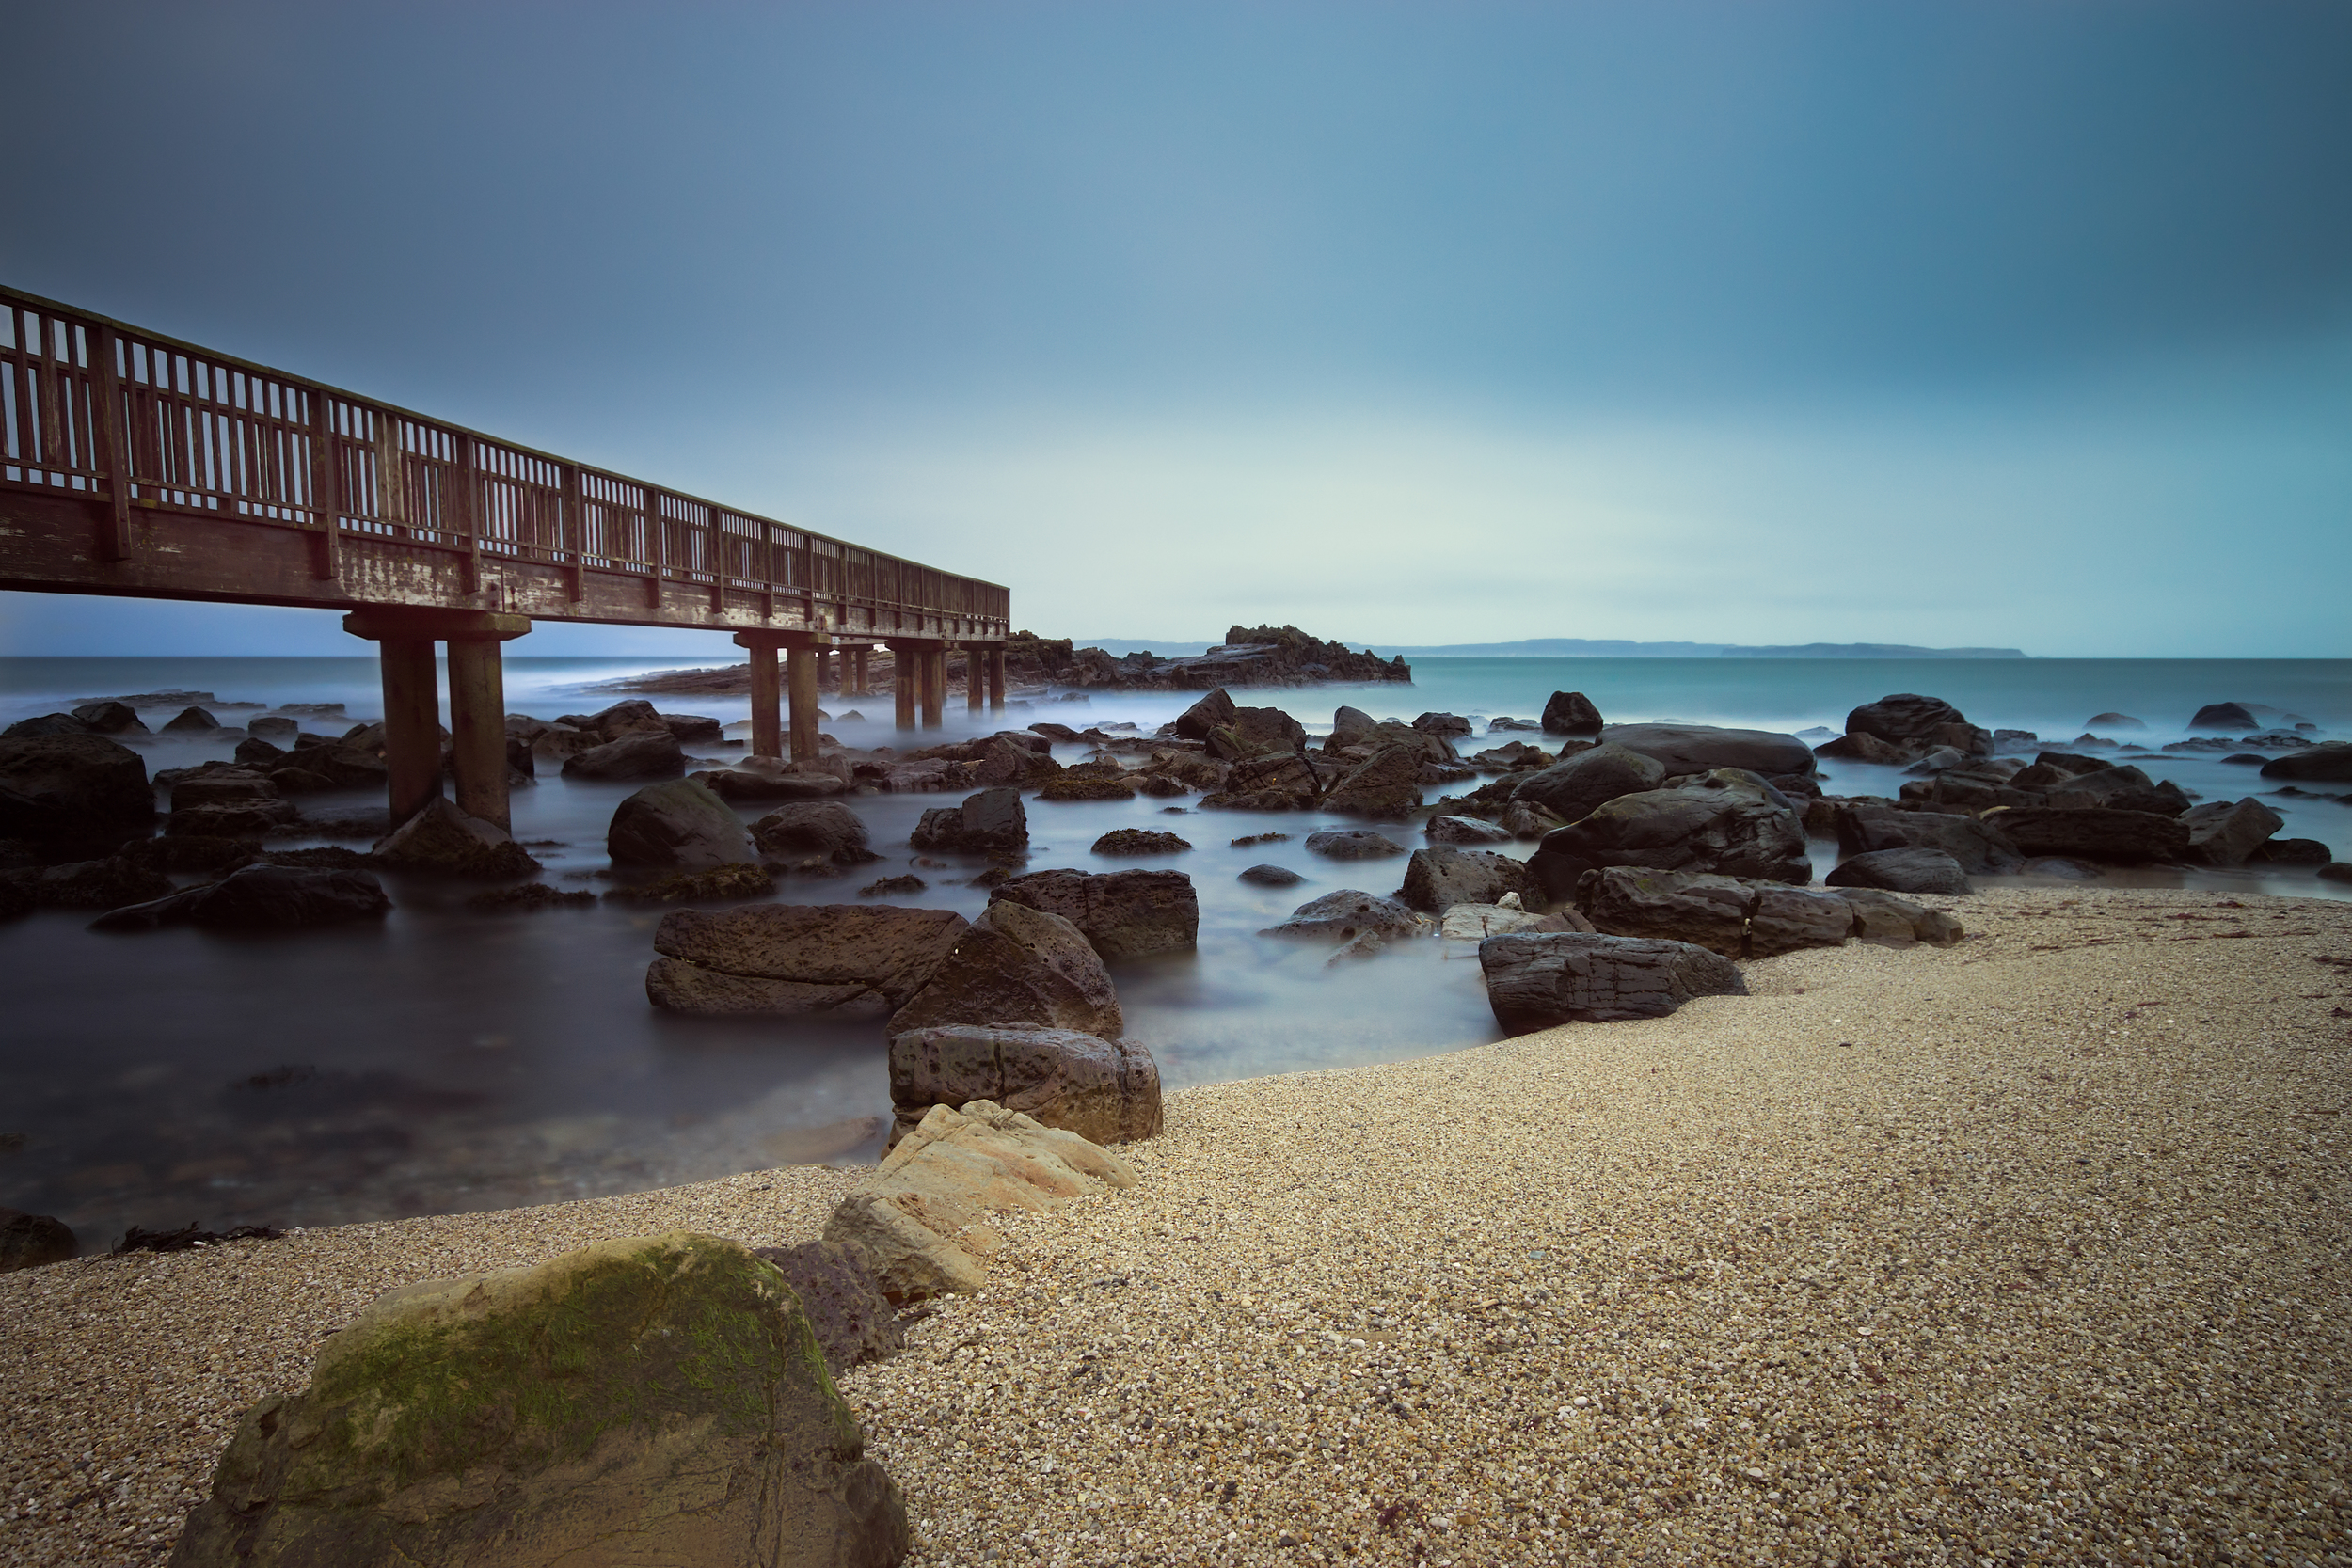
(2030, 1250)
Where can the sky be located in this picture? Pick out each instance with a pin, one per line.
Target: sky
(1983, 324)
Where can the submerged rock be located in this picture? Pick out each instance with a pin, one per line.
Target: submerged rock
(991, 822)
(824, 828)
(1343, 915)
(260, 897)
(1353, 844)
(787, 958)
(441, 838)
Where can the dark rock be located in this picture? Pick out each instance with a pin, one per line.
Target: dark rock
(1728, 822)
(1343, 915)
(1349, 727)
(1125, 914)
(1979, 845)
(642, 754)
(244, 819)
(990, 823)
(1253, 731)
(1055, 732)
(1571, 713)
(1271, 875)
(2123, 788)
(98, 885)
(2227, 832)
(191, 721)
(1004, 760)
(1211, 712)
(444, 840)
(1785, 919)
(528, 897)
(1522, 820)
(1260, 838)
(2335, 871)
(1438, 877)
(2095, 833)
(16, 898)
(1537, 979)
(1575, 787)
(256, 753)
(734, 880)
(1070, 786)
(273, 727)
(1386, 786)
(2234, 717)
(1105, 1091)
(693, 728)
(1890, 922)
(2330, 762)
(189, 1237)
(677, 826)
(825, 828)
(1734, 917)
(1863, 747)
(34, 1241)
(1497, 726)
(1511, 757)
(648, 1400)
(1442, 723)
(2112, 721)
(1016, 965)
(1140, 841)
(1464, 829)
(2060, 867)
(784, 958)
(260, 897)
(1902, 871)
(1701, 748)
(1272, 781)
(1919, 724)
(112, 718)
(64, 787)
(842, 1297)
(635, 716)
(1353, 844)
(44, 725)
(2300, 852)
(2014, 740)
(893, 887)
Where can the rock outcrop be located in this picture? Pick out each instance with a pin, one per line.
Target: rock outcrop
(443, 839)
(1582, 783)
(1440, 876)
(990, 823)
(1105, 1091)
(64, 787)
(1741, 918)
(788, 959)
(677, 826)
(1535, 980)
(1124, 914)
(1728, 822)
(1016, 965)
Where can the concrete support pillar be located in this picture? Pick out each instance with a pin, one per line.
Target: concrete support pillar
(800, 681)
(767, 703)
(975, 677)
(996, 676)
(935, 686)
(412, 724)
(858, 656)
(792, 731)
(906, 674)
(477, 724)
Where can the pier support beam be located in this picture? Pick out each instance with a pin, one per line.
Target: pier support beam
(797, 721)
(975, 677)
(906, 680)
(935, 686)
(858, 655)
(996, 676)
(412, 711)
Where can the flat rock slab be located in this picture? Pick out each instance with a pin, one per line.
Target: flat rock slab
(784, 959)
(1535, 980)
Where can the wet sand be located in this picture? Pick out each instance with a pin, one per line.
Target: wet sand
(2033, 1249)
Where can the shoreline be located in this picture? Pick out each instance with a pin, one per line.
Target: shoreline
(2043, 1254)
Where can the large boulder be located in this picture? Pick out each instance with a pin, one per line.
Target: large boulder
(1884, 920)
(1536, 979)
(99, 884)
(1353, 844)
(652, 1399)
(2227, 832)
(1919, 724)
(107, 716)
(1017, 965)
(2236, 718)
(814, 827)
(1252, 731)
(2330, 762)
(1348, 913)
(1464, 829)
(924, 1216)
(1440, 876)
(34, 1241)
(1736, 917)
(1703, 748)
(1728, 822)
(1977, 842)
(191, 721)
(261, 897)
(69, 786)
(630, 716)
(788, 959)
(1571, 713)
(2118, 788)
(1577, 785)
(1210, 714)
(842, 1297)
(1007, 759)
(1105, 1091)
(1269, 781)
(1386, 785)
(443, 839)
(1125, 914)
(1905, 870)
(1350, 726)
(677, 826)
(762, 785)
(990, 823)
(2093, 833)
(640, 754)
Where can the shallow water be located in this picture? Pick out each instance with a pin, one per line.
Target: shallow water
(452, 1061)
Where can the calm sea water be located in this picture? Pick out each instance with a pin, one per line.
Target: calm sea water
(450, 1061)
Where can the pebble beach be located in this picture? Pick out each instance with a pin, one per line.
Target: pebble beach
(2028, 1250)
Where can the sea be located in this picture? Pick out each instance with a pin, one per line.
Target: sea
(449, 1061)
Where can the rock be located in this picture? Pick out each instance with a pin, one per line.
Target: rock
(643, 754)
(2060, 867)
(790, 959)
(2234, 717)
(1523, 820)
(642, 1400)
(1785, 919)
(1349, 726)
(1477, 922)
(529, 898)
(112, 718)
(1880, 917)
(1271, 781)
(2335, 871)
(2330, 762)
(273, 727)
(2111, 721)
(71, 786)
(2300, 852)
(737, 879)
(2123, 788)
(824, 828)
(990, 823)
(1464, 829)
(1211, 712)
(1340, 916)
(1353, 844)
(842, 1297)
(1512, 757)
(1863, 747)
(634, 716)
(2095, 833)
(1917, 724)
(241, 820)
(1728, 822)
(191, 721)
(1701, 748)
(2014, 740)
(1442, 723)
(923, 1215)
(1105, 1091)
(1438, 877)
(1705, 911)
(260, 897)
(1977, 844)
(1498, 725)
(1124, 914)
(44, 725)
(1140, 841)
(760, 786)
(695, 727)
(1016, 965)
(1571, 713)
(98, 885)
(2225, 832)
(1537, 979)
(677, 826)
(1937, 761)
(1385, 786)
(1271, 875)
(34, 1241)
(1055, 732)
(255, 752)
(441, 838)
(1005, 760)
(1904, 870)
(16, 899)
(1252, 731)
(1362, 945)
(893, 887)
(1070, 787)
(1575, 787)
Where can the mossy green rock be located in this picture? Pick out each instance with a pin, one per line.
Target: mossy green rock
(656, 1401)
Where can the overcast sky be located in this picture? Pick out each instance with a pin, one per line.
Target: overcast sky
(1965, 322)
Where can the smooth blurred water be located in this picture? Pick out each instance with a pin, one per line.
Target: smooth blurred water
(450, 1060)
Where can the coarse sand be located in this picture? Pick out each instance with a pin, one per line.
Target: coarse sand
(2030, 1250)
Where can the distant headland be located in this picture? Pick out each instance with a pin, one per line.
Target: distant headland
(1584, 647)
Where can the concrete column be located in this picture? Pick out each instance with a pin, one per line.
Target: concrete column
(975, 677)
(905, 676)
(996, 676)
(767, 703)
(801, 673)
(477, 724)
(857, 671)
(412, 724)
(935, 685)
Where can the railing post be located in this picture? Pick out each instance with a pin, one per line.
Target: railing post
(114, 446)
(572, 530)
(466, 511)
(326, 491)
(657, 545)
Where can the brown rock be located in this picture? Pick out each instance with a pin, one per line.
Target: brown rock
(1125, 914)
(1016, 965)
(1105, 1091)
(797, 958)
